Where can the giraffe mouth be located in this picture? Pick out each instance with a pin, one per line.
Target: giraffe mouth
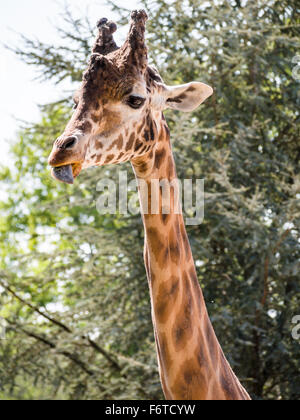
(66, 173)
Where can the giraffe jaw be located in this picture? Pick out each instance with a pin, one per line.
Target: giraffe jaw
(66, 173)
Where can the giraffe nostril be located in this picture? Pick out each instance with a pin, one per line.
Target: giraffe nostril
(69, 143)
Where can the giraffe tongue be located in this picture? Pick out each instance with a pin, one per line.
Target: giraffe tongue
(63, 174)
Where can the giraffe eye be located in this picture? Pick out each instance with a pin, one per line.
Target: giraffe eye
(75, 105)
(135, 102)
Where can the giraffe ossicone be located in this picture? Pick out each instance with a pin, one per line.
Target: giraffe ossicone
(118, 117)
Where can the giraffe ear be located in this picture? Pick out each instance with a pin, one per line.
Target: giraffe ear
(187, 97)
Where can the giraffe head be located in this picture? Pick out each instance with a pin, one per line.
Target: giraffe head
(118, 108)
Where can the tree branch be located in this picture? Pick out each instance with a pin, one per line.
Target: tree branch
(53, 346)
(94, 345)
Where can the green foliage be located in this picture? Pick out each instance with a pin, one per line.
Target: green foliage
(74, 290)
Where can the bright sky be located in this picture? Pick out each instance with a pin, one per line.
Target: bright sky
(20, 93)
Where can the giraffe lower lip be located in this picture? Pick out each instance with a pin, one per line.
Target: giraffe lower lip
(63, 174)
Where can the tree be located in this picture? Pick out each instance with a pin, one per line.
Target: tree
(74, 290)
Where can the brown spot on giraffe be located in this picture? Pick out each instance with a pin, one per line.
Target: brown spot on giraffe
(143, 168)
(191, 89)
(112, 146)
(120, 142)
(98, 145)
(182, 329)
(201, 354)
(130, 142)
(86, 127)
(95, 118)
(165, 218)
(156, 244)
(138, 146)
(167, 295)
(188, 380)
(228, 386)
(151, 125)
(159, 157)
(146, 135)
(163, 260)
(174, 246)
(109, 159)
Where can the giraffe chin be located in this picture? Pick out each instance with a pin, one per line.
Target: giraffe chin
(66, 173)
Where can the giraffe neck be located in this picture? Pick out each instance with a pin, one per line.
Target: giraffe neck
(192, 364)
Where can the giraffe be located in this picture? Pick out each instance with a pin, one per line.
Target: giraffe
(118, 117)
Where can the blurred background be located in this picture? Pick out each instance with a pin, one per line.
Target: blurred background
(74, 300)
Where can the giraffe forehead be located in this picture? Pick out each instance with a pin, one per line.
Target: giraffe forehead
(109, 79)
(109, 99)
(104, 87)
